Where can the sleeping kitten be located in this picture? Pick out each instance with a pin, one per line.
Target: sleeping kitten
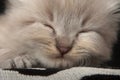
(57, 33)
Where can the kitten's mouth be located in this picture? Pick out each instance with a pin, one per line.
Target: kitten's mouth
(58, 57)
(62, 57)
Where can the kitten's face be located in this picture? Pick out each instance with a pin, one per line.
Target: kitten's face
(59, 33)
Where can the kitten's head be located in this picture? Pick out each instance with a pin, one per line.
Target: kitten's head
(61, 33)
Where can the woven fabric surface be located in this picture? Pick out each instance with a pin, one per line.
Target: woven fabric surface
(77, 73)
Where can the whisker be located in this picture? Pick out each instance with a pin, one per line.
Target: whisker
(85, 60)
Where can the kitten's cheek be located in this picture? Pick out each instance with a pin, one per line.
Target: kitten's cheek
(93, 43)
(35, 30)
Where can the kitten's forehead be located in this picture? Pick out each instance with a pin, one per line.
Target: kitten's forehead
(68, 15)
(68, 8)
(68, 5)
(72, 13)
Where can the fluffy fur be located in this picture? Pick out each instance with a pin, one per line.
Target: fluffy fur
(29, 30)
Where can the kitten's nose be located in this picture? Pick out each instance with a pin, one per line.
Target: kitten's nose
(63, 46)
(63, 49)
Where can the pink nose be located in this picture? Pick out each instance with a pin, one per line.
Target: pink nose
(63, 44)
(63, 50)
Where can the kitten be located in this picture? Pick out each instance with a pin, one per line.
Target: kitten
(57, 33)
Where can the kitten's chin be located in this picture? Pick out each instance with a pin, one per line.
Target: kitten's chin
(68, 61)
(61, 62)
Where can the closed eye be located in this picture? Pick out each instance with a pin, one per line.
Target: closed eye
(50, 26)
(28, 22)
(83, 31)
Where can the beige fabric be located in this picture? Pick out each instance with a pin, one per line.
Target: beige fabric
(69, 74)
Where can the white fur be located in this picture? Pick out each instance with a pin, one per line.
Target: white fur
(26, 41)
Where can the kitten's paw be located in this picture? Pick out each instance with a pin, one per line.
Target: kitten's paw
(19, 62)
(23, 62)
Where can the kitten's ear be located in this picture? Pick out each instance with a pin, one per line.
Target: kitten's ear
(7, 4)
(14, 3)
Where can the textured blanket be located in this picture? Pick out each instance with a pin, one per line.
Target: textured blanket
(77, 73)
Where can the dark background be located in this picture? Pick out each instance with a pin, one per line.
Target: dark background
(2, 6)
(115, 62)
